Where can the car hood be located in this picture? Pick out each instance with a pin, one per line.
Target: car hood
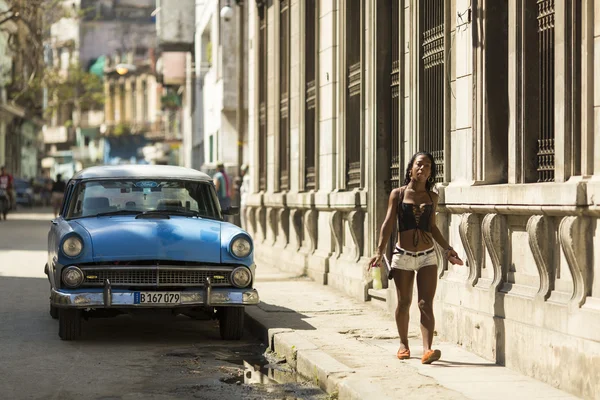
(125, 238)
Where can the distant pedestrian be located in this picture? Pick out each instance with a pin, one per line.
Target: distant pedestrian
(223, 186)
(413, 207)
(58, 194)
(7, 183)
(244, 191)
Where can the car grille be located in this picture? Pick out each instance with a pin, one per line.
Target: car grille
(153, 276)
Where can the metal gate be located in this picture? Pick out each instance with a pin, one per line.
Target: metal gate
(545, 152)
(284, 122)
(432, 84)
(353, 94)
(262, 100)
(311, 97)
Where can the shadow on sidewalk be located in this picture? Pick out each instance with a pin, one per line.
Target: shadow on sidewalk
(274, 316)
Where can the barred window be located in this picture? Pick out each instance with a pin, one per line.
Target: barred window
(284, 85)
(354, 92)
(310, 121)
(432, 82)
(262, 99)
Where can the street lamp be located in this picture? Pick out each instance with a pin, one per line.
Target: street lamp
(226, 14)
(124, 68)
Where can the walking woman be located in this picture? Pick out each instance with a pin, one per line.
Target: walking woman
(414, 206)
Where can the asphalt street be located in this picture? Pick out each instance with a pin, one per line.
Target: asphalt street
(117, 358)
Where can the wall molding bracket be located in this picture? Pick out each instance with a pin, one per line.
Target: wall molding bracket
(573, 237)
(495, 238)
(540, 230)
(470, 235)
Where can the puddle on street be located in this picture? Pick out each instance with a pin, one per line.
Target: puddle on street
(259, 368)
(265, 369)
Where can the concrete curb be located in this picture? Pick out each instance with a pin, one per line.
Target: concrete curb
(312, 364)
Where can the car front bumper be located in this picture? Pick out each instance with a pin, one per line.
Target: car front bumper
(103, 298)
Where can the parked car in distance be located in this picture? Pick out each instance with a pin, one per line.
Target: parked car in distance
(23, 192)
(135, 237)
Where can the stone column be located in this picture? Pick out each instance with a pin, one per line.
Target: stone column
(327, 94)
(522, 69)
(596, 82)
(588, 83)
(462, 151)
(273, 97)
(109, 102)
(128, 117)
(296, 141)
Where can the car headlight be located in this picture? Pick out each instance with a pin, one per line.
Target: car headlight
(72, 247)
(241, 277)
(241, 247)
(72, 277)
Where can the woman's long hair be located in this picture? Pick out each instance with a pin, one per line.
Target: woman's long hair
(428, 184)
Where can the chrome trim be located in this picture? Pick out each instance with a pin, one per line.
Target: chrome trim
(237, 237)
(151, 275)
(218, 297)
(232, 280)
(71, 236)
(70, 268)
(208, 288)
(107, 293)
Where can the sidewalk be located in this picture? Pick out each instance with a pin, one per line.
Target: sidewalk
(349, 348)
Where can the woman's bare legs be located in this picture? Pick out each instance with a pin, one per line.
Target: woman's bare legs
(426, 285)
(404, 288)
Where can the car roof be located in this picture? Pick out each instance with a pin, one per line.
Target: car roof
(141, 171)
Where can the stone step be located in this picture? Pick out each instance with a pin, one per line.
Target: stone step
(378, 298)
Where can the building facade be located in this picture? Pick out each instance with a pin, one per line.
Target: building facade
(505, 95)
(216, 136)
(20, 99)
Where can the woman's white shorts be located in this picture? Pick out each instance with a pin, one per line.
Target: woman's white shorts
(413, 261)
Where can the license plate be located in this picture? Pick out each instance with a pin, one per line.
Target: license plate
(157, 298)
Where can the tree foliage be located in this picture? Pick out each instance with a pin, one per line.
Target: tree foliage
(31, 23)
(75, 87)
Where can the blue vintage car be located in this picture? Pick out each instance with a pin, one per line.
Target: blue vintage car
(138, 237)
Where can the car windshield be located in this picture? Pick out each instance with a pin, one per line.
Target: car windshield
(129, 196)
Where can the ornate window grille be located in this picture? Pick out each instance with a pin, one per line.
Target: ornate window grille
(353, 94)
(311, 96)
(545, 154)
(432, 82)
(262, 100)
(284, 121)
(395, 170)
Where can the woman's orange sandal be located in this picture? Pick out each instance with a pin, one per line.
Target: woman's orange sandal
(431, 356)
(403, 354)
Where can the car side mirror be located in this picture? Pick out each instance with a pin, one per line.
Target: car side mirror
(232, 211)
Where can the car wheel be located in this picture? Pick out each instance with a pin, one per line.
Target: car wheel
(69, 324)
(231, 323)
(53, 312)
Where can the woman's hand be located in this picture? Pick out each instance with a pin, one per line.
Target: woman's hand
(375, 261)
(452, 256)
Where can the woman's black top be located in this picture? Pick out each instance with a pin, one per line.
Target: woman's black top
(417, 217)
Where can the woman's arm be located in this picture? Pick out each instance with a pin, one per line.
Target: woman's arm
(387, 226)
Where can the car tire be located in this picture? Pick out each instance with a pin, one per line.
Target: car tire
(69, 324)
(53, 312)
(231, 323)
